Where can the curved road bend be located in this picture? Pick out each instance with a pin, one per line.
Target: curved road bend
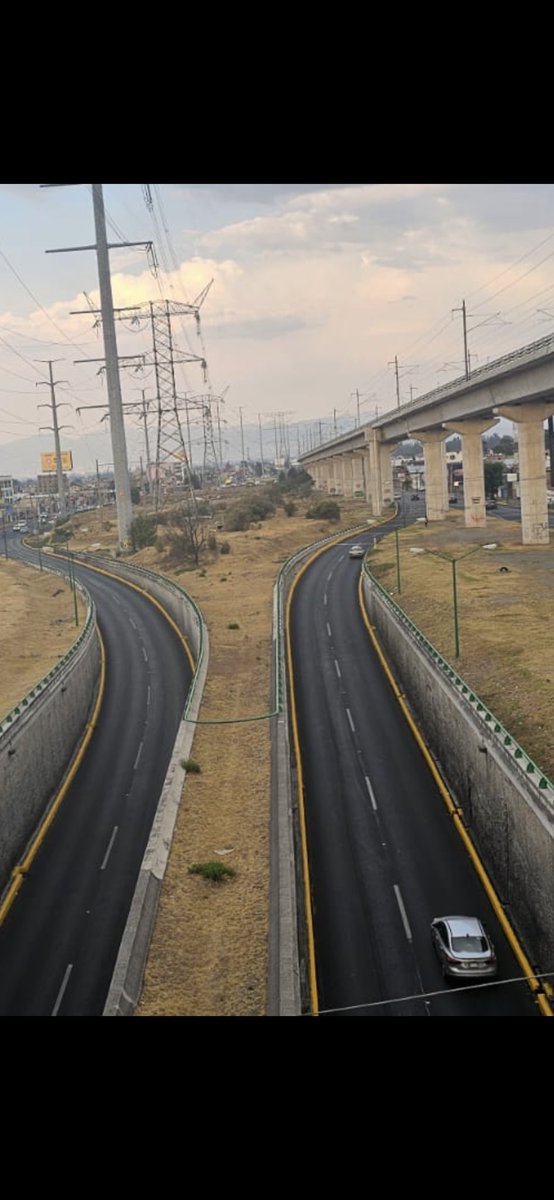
(59, 942)
(384, 857)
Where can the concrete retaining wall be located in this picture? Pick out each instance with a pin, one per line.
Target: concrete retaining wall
(38, 740)
(506, 801)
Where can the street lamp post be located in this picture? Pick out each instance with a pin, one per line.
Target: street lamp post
(397, 563)
(451, 559)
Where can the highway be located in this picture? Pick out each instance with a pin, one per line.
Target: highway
(59, 942)
(384, 857)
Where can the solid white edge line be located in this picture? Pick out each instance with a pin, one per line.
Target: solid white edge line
(352, 725)
(405, 921)
(370, 790)
(138, 756)
(59, 997)
(108, 851)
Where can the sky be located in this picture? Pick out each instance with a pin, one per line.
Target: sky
(314, 291)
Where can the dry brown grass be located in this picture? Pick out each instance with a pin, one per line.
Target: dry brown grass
(36, 630)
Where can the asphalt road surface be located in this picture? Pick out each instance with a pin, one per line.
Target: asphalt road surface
(384, 856)
(59, 942)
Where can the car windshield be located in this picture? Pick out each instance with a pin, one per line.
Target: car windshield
(469, 945)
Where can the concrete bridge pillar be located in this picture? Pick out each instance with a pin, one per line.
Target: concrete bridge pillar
(347, 476)
(358, 474)
(436, 477)
(530, 419)
(380, 472)
(471, 432)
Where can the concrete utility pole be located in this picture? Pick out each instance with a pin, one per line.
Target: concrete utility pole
(119, 446)
(56, 430)
(117, 428)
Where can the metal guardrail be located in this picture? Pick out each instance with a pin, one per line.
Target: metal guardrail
(508, 744)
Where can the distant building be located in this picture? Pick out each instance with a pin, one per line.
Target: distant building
(6, 489)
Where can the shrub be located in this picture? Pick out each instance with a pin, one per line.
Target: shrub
(143, 531)
(324, 510)
(191, 766)
(225, 548)
(215, 871)
(290, 508)
(233, 625)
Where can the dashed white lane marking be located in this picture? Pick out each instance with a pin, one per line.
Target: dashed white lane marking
(131, 622)
(148, 696)
(330, 576)
(138, 756)
(405, 921)
(59, 997)
(325, 598)
(145, 654)
(370, 790)
(328, 630)
(337, 669)
(352, 725)
(108, 851)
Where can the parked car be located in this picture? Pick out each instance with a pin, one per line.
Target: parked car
(491, 504)
(356, 551)
(464, 948)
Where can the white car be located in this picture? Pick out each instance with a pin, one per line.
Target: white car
(356, 552)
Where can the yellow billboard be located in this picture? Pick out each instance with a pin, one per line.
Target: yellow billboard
(48, 461)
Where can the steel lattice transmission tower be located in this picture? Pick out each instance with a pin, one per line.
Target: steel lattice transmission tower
(170, 443)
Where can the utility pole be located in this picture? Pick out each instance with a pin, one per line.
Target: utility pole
(335, 421)
(56, 430)
(464, 320)
(357, 395)
(241, 436)
(261, 442)
(397, 380)
(117, 428)
(144, 418)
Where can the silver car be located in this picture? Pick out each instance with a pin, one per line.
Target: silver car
(356, 551)
(463, 947)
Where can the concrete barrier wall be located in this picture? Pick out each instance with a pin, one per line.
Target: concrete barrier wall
(38, 739)
(506, 801)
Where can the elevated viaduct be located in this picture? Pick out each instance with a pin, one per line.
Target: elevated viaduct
(518, 386)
